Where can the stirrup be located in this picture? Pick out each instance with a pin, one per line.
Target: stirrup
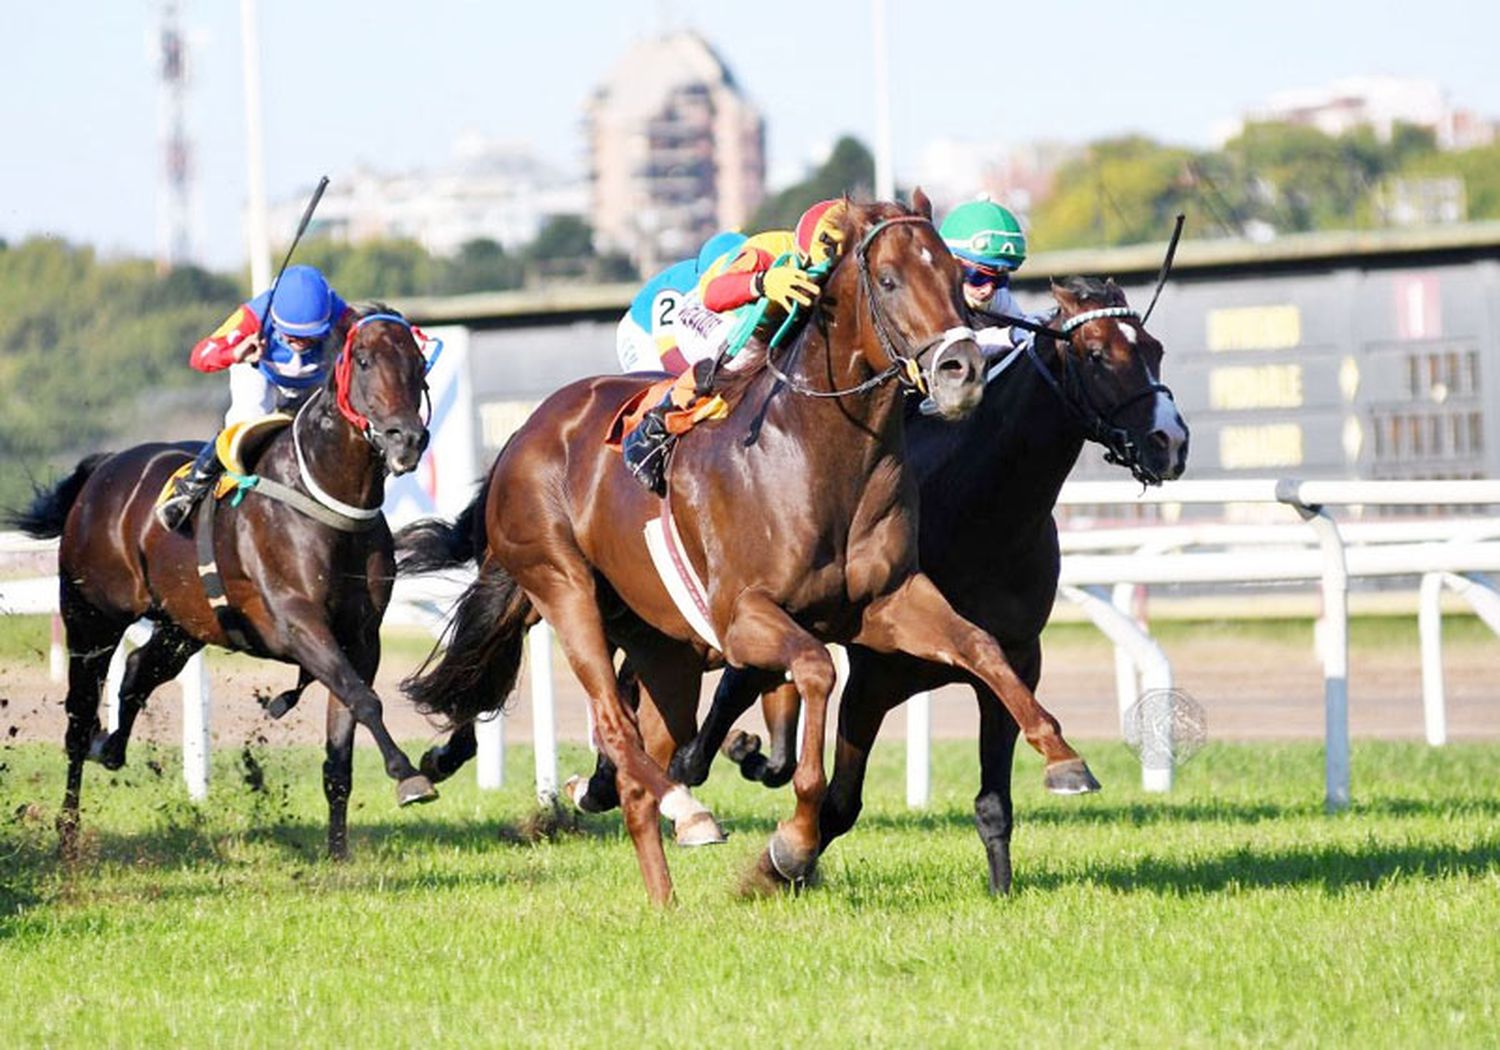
(175, 511)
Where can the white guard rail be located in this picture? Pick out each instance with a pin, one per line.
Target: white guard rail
(1452, 553)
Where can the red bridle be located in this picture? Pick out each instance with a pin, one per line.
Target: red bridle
(343, 368)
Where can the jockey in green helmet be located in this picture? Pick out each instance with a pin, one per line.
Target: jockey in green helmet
(989, 244)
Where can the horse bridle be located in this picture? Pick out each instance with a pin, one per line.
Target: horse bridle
(905, 367)
(343, 371)
(1098, 425)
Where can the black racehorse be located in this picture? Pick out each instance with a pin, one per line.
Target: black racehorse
(301, 568)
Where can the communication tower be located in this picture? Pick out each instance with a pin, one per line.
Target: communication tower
(174, 189)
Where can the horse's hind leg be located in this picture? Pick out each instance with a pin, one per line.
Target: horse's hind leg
(761, 634)
(92, 636)
(671, 675)
(564, 594)
(600, 793)
(917, 619)
(159, 660)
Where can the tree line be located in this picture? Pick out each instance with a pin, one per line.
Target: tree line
(91, 347)
(84, 340)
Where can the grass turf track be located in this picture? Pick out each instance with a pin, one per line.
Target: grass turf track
(1231, 913)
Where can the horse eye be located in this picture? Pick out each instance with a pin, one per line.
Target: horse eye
(888, 281)
(1096, 355)
(363, 360)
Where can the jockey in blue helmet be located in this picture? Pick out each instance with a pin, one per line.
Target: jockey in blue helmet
(300, 313)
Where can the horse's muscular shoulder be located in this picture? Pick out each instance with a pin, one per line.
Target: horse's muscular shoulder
(883, 534)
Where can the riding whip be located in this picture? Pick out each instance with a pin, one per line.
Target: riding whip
(307, 214)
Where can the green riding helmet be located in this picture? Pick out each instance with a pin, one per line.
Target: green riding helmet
(984, 233)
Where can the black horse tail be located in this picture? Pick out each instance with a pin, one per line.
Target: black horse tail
(432, 544)
(48, 513)
(477, 671)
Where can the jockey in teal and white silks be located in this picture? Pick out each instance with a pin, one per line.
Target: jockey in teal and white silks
(646, 339)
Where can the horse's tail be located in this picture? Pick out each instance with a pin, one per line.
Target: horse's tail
(432, 544)
(48, 513)
(477, 670)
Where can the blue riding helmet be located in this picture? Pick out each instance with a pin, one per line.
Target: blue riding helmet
(719, 244)
(303, 306)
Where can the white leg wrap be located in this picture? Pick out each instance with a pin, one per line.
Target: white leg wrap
(678, 804)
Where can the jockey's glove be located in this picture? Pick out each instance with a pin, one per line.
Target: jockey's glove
(248, 350)
(789, 286)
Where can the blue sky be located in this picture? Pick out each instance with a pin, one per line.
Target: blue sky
(392, 84)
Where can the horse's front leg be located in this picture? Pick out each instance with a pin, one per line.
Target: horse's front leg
(441, 762)
(761, 634)
(917, 619)
(310, 641)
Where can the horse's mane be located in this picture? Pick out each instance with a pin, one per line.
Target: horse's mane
(1094, 289)
(369, 307)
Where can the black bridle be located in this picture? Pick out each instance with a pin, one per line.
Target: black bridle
(1097, 424)
(904, 366)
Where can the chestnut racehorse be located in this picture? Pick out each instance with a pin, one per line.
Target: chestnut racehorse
(295, 588)
(797, 510)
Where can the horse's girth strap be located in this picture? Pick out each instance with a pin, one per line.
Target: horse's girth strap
(213, 582)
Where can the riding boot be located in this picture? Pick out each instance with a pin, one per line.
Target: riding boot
(648, 447)
(189, 489)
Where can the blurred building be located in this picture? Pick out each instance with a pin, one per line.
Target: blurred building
(676, 151)
(1376, 102)
(489, 189)
(1019, 177)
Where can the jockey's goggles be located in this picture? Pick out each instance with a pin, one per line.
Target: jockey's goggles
(980, 276)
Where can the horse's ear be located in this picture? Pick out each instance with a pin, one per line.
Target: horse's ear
(1066, 299)
(920, 204)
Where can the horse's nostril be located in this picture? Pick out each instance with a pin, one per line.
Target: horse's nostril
(1160, 439)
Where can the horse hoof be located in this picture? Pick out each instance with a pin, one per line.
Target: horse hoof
(1070, 777)
(792, 864)
(281, 703)
(767, 878)
(415, 789)
(740, 746)
(700, 829)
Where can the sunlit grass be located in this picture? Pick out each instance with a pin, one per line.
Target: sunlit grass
(1231, 912)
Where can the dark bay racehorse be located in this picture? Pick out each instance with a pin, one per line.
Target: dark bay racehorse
(798, 510)
(304, 591)
(988, 540)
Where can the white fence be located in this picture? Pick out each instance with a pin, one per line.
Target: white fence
(1101, 570)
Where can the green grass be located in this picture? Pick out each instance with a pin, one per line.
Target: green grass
(1232, 912)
